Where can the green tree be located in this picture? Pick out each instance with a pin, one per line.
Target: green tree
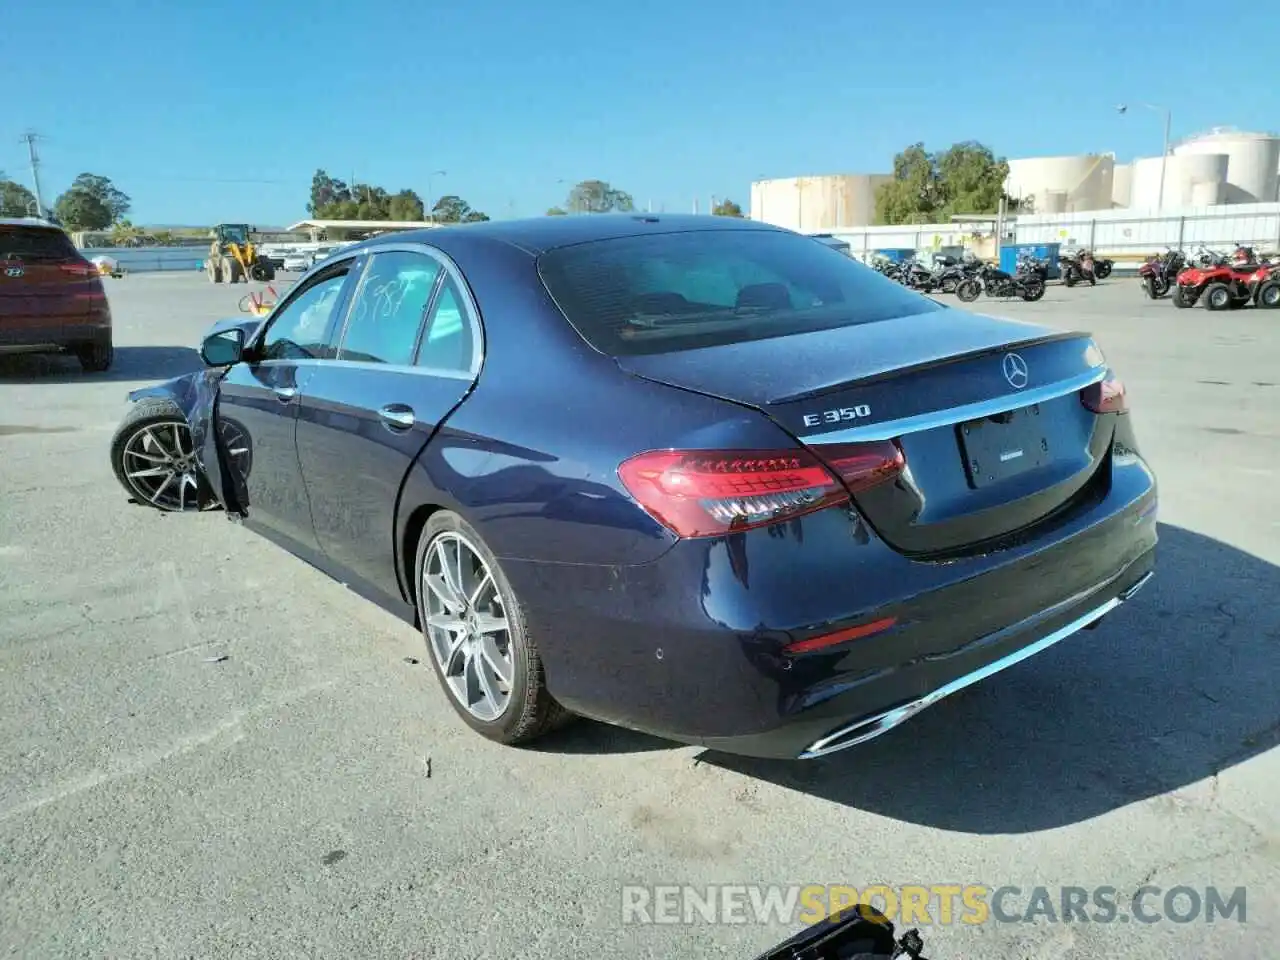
(15, 199)
(81, 210)
(914, 194)
(926, 187)
(325, 192)
(453, 209)
(972, 177)
(406, 205)
(727, 208)
(555, 212)
(597, 196)
(107, 193)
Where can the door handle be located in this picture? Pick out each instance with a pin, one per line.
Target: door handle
(397, 416)
(285, 394)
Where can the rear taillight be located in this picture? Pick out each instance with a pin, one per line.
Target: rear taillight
(1105, 397)
(863, 465)
(81, 269)
(706, 493)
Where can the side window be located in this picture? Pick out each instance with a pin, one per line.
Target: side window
(388, 308)
(448, 343)
(298, 331)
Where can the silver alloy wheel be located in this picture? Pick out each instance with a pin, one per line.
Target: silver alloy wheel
(160, 466)
(1220, 298)
(1271, 296)
(467, 626)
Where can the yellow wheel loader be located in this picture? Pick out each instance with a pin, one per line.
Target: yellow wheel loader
(233, 258)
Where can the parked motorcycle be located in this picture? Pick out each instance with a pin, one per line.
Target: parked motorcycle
(949, 272)
(1033, 266)
(996, 283)
(1078, 267)
(1159, 274)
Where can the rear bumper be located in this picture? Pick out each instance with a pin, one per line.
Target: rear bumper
(815, 735)
(691, 646)
(21, 334)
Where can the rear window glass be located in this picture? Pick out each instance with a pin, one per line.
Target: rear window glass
(661, 293)
(34, 245)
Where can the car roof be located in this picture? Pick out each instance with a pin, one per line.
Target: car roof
(539, 234)
(28, 222)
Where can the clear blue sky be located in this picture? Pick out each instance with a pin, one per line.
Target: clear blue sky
(517, 100)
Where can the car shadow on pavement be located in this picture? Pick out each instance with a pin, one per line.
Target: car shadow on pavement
(584, 736)
(1174, 687)
(130, 363)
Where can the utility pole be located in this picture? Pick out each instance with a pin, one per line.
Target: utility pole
(30, 138)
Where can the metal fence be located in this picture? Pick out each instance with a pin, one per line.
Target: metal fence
(1120, 234)
(151, 259)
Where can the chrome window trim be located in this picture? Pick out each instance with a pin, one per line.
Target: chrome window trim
(367, 365)
(950, 416)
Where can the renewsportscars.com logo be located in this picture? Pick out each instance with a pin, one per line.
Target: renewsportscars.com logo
(936, 904)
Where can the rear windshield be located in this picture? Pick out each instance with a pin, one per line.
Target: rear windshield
(36, 245)
(661, 293)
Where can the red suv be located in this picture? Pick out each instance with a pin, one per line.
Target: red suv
(51, 297)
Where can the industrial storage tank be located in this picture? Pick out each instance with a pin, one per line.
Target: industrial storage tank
(1182, 175)
(1085, 180)
(1121, 185)
(1253, 160)
(1207, 193)
(817, 203)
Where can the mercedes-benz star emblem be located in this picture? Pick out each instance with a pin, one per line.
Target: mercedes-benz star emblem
(1015, 371)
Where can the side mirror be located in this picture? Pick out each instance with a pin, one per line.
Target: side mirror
(224, 348)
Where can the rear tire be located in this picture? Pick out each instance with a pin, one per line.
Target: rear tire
(1068, 279)
(1032, 290)
(1269, 295)
(95, 357)
(230, 270)
(1217, 296)
(1102, 271)
(459, 656)
(212, 268)
(968, 290)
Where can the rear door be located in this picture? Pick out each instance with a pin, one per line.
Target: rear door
(407, 354)
(258, 403)
(44, 281)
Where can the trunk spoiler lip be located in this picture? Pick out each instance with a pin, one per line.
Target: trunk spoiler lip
(949, 416)
(933, 362)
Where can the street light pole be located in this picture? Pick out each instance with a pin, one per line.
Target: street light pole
(1164, 154)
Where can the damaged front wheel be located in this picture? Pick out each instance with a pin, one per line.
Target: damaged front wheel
(154, 459)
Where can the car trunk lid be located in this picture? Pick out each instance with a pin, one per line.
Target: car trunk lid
(987, 413)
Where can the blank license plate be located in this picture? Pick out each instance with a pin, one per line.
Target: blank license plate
(997, 448)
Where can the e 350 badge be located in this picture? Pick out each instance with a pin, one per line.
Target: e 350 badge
(838, 415)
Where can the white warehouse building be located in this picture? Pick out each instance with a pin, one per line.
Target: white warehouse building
(817, 203)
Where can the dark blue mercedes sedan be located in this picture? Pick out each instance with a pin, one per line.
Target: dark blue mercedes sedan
(696, 476)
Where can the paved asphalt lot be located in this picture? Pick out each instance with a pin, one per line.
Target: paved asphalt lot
(313, 794)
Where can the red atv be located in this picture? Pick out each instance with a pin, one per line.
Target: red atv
(1229, 284)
